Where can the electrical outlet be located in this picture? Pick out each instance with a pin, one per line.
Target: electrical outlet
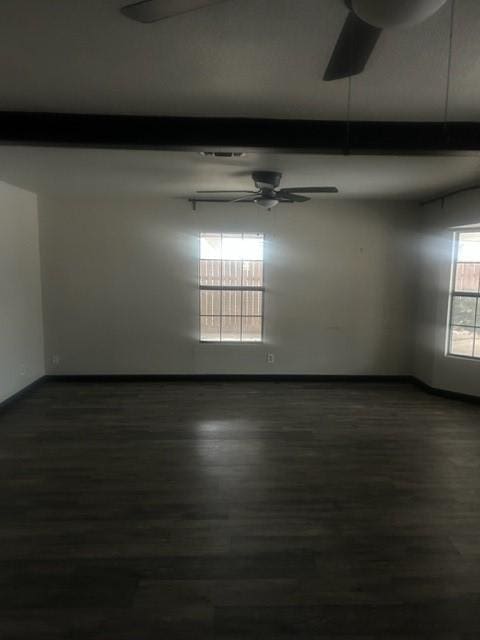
(23, 369)
(270, 358)
(55, 360)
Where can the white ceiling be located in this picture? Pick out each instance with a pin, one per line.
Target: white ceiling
(254, 58)
(178, 174)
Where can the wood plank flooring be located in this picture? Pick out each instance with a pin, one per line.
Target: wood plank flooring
(239, 510)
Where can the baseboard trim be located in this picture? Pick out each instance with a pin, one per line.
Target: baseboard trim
(229, 378)
(444, 393)
(5, 404)
(379, 379)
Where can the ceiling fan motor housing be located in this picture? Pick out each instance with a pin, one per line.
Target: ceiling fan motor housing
(386, 14)
(268, 180)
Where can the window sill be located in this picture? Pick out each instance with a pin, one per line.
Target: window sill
(231, 344)
(454, 356)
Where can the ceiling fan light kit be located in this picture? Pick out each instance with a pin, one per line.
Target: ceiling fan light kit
(266, 203)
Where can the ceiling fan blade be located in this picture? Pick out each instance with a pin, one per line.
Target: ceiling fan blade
(249, 198)
(227, 200)
(293, 190)
(155, 10)
(210, 200)
(292, 197)
(354, 47)
(236, 191)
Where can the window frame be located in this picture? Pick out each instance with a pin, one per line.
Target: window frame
(222, 288)
(453, 293)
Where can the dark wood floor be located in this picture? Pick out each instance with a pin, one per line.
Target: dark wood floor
(239, 510)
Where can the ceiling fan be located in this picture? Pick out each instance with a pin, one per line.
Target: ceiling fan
(267, 195)
(364, 24)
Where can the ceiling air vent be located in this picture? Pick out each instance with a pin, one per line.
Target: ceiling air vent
(222, 154)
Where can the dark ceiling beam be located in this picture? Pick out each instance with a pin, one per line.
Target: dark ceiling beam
(311, 136)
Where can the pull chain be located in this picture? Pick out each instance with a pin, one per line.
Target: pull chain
(449, 70)
(349, 107)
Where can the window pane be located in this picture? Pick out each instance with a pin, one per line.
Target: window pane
(210, 246)
(230, 261)
(210, 303)
(461, 341)
(463, 310)
(252, 303)
(469, 247)
(210, 272)
(231, 303)
(253, 273)
(252, 246)
(467, 277)
(477, 344)
(232, 273)
(210, 329)
(252, 329)
(231, 329)
(232, 246)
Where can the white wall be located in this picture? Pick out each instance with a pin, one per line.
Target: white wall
(120, 287)
(435, 243)
(21, 333)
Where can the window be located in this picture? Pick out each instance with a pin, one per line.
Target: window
(231, 287)
(464, 329)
